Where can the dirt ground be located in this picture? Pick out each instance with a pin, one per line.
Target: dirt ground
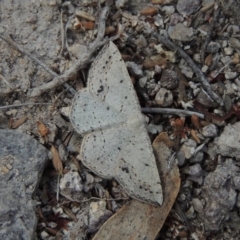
(181, 55)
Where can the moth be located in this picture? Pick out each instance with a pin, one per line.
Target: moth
(116, 143)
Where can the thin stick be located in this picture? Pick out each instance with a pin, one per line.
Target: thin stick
(106, 199)
(201, 78)
(21, 105)
(80, 64)
(37, 61)
(172, 111)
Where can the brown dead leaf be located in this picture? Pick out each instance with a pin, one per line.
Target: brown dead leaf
(149, 11)
(139, 220)
(51, 231)
(149, 63)
(195, 121)
(70, 214)
(42, 129)
(15, 123)
(57, 162)
(208, 60)
(85, 15)
(110, 30)
(85, 25)
(194, 136)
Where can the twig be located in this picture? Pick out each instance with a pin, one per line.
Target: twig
(21, 105)
(201, 78)
(5, 80)
(209, 34)
(80, 64)
(37, 61)
(62, 33)
(106, 199)
(171, 111)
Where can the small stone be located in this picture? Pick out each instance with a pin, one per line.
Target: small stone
(219, 194)
(197, 204)
(169, 79)
(175, 18)
(142, 82)
(210, 130)
(188, 148)
(203, 98)
(168, 9)
(180, 158)
(234, 43)
(228, 142)
(204, 68)
(230, 75)
(164, 97)
(213, 47)
(195, 170)
(71, 186)
(185, 69)
(65, 111)
(190, 213)
(197, 158)
(188, 7)
(98, 214)
(135, 69)
(180, 32)
(228, 51)
(154, 129)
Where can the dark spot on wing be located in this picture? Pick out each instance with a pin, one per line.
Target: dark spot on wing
(125, 169)
(101, 88)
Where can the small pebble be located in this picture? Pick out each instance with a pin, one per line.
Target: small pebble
(210, 130)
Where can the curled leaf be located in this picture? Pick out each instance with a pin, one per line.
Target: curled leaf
(15, 123)
(42, 129)
(57, 162)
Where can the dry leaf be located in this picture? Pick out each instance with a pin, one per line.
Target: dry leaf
(110, 30)
(163, 136)
(194, 136)
(139, 220)
(51, 231)
(57, 162)
(70, 213)
(83, 25)
(149, 11)
(85, 15)
(42, 129)
(208, 60)
(15, 123)
(149, 63)
(195, 121)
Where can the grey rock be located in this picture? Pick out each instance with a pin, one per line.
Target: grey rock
(213, 47)
(22, 160)
(197, 158)
(187, 7)
(164, 97)
(210, 130)
(188, 148)
(219, 194)
(135, 69)
(180, 158)
(228, 142)
(180, 32)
